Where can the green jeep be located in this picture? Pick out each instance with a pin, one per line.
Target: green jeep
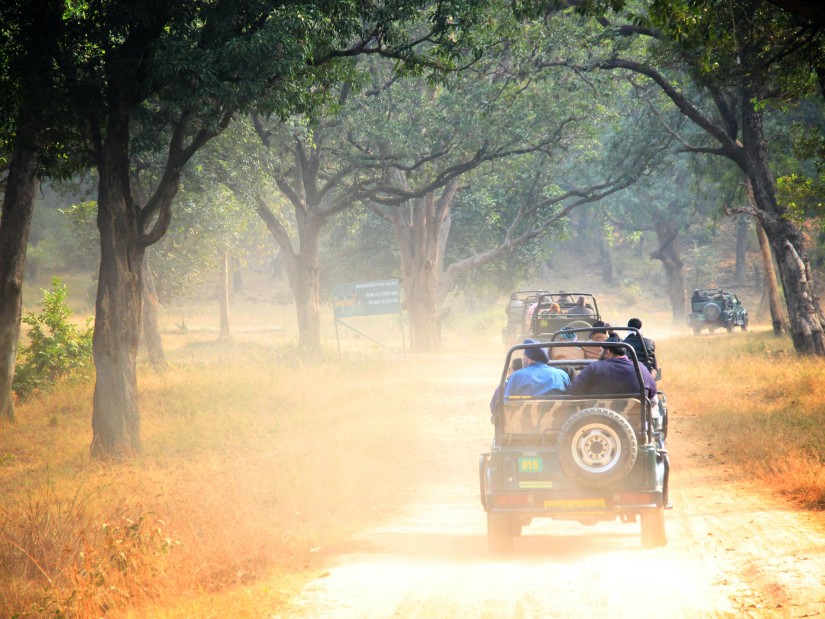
(714, 308)
(567, 458)
(545, 319)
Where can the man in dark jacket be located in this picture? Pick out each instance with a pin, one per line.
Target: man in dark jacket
(640, 343)
(614, 373)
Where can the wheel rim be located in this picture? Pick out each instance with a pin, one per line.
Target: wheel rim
(596, 448)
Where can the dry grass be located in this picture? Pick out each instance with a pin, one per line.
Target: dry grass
(254, 464)
(758, 404)
(259, 464)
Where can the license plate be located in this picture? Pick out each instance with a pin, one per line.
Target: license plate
(575, 504)
(535, 484)
(529, 465)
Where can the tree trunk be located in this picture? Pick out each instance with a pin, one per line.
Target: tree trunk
(668, 253)
(741, 249)
(303, 272)
(606, 259)
(771, 286)
(18, 205)
(223, 295)
(420, 281)
(37, 40)
(422, 226)
(237, 279)
(151, 328)
(115, 418)
(807, 322)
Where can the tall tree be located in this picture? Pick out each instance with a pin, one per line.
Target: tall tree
(428, 140)
(30, 34)
(182, 70)
(317, 178)
(742, 56)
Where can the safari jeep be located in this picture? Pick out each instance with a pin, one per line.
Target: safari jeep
(714, 308)
(568, 458)
(517, 321)
(544, 321)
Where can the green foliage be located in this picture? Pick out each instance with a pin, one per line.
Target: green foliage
(57, 349)
(798, 194)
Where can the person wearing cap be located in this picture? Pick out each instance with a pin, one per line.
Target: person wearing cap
(613, 373)
(536, 377)
(640, 344)
(567, 352)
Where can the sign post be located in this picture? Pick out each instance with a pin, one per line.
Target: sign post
(374, 298)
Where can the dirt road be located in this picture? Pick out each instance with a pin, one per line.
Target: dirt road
(732, 552)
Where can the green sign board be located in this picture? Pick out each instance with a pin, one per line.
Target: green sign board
(367, 298)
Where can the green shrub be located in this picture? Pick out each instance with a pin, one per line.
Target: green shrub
(57, 348)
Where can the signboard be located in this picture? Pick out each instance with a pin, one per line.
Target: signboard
(367, 298)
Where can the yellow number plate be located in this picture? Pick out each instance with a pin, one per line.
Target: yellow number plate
(575, 504)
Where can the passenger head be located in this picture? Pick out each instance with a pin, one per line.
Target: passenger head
(634, 323)
(580, 301)
(600, 327)
(568, 334)
(555, 308)
(516, 364)
(612, 351)
(535, 354)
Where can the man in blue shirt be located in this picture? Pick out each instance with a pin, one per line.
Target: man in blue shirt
(536, 377)
(613, 373)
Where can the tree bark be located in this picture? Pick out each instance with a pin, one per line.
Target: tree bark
(18, 206)
(115, 417)
(741, 249)
(151, 327)
(668, 253)
(422, 226)
(770, 283)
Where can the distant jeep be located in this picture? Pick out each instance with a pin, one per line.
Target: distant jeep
(554, 311)
(518, 319)
(714, 308)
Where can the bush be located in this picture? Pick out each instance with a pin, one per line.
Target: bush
(57, 349)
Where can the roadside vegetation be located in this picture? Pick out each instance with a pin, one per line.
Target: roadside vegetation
(248, 472)
(259, 465)
(758, 405)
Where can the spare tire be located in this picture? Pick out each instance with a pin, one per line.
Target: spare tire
(712, 311)
(597, 447)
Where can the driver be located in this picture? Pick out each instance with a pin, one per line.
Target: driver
(612, 373)
(536, 377)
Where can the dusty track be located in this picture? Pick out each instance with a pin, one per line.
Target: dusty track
(732, 552)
